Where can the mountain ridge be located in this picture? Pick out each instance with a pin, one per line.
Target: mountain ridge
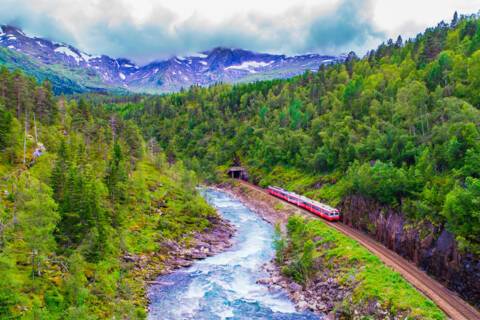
(85, 72)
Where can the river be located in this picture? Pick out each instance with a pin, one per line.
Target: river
(224, 286)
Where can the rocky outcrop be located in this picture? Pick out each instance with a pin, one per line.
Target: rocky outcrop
(319, 296)
(203, 245)
(431, 247)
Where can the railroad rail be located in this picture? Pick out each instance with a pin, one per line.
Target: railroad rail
(453, 306)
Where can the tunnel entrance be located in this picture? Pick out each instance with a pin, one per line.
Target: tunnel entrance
(238, 173)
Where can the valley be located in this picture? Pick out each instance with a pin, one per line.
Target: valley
(116, 192)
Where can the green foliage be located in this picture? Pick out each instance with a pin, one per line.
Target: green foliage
(9, 287)
(399, 126)
(301, 263)
(116, 175)
(37, 218)
(279, 244)
(383, 182)
(5, 127)
(462, 205)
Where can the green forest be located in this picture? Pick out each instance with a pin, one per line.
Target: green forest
(80, 190)
(400, 126)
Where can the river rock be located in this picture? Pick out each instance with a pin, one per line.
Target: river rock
(302, 305)
(275, 287)
(295, 287)
(265, 281)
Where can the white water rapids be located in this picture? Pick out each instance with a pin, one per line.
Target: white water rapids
(224, 286)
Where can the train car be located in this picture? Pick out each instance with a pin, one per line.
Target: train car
(315, 207)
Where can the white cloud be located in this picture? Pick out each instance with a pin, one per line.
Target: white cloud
(150, 29)
(410, 17)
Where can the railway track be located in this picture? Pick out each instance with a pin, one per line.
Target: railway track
(448, 301)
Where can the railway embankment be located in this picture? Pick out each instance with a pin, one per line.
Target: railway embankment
(326, 272)
(430, 247)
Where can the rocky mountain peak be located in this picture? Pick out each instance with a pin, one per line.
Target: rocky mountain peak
(220, 64)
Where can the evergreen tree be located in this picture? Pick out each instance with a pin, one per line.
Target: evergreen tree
(399, 42)
(116, 175)
(45, 104)
(454, 22)
(58, 177)
(5, 127)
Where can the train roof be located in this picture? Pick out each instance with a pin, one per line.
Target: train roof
(316, 203)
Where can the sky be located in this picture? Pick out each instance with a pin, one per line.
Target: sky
(146, 30)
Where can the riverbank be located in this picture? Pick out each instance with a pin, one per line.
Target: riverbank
(173, 255)
(268, 208)
(342, 279)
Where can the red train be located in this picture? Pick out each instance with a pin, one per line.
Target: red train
(320, 209)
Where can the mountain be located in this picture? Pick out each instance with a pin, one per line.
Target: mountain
(71, 70)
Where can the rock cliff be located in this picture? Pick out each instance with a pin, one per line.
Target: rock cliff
(432, 248)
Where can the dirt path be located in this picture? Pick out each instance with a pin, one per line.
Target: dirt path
(446, 300)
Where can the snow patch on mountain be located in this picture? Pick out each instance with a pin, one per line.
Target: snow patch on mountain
(85, 56)
(68, 52)
(250, 66)
(199, 55)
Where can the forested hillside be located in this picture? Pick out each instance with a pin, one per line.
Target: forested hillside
(81, 195)
(400, 126)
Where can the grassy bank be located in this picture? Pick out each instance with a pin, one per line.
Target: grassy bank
(311, 247)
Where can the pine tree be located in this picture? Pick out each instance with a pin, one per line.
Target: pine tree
(4, 84)
(45, 104)
(399, 42)
(454, 22)
(5, 127)
(19, 99)
(116, 175)
(58, 177)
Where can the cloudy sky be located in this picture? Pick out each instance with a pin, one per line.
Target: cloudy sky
(145, 30)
